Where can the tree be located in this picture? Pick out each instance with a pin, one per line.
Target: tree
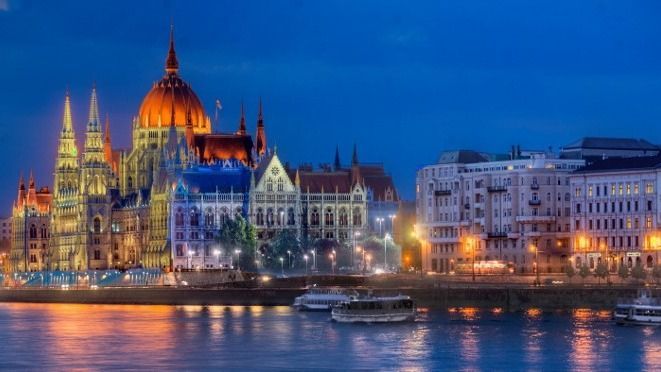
(623, 272)
(583, 272)
(601, 271)
(284, 240)
(570, 271)
(639, 273)
(656, 273)
(238, 234)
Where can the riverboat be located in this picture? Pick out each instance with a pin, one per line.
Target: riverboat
(322, 299)
(375, 310)
(643, 310)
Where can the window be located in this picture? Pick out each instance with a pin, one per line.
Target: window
(33, 231)
(260, 216)
(357, 217)
(290, 217)
(179, 218)
(97, 254)
(194, 217)
(97, 225)
(314, 217)
(649, 188)
(208, 218)
(344, 217)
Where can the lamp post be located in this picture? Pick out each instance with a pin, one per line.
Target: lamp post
(289, 259)
(238, 259)
(353, 250)
(314, 259)
(305, 257)
(385, 251)
(332, 258)
(369, 260)
(468, 243)
(392, 223)
(536, 249)
(282, 216)
(190, 259)
(380, 221)
(282, 266)
(217, 254)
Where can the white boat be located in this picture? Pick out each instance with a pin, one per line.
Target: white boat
(643, 310)
(322, 299)
(375, 310)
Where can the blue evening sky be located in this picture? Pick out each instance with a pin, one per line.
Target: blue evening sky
(404, 80)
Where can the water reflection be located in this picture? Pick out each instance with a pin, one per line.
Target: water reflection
(62, 336)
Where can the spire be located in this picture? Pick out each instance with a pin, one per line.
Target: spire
(67, 122)
(20, 199)
(260, 145)
(171, 63)
(21, 182)
(354, 157)
(107, 146)
(93, 119)
(31, 181)
(337, 162)
(189, 127)
(242, 122)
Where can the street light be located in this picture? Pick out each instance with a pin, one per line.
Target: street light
(369, 259)
(353, 251)
(380, 221)
(469, 244)
(238, 259)
(392, 223)
(289, 258)
(190, 259)
(385, 251)
(534, 247)
(305, 257)
(314, 259)
(282, 266)
(217, 254)
(332, 257)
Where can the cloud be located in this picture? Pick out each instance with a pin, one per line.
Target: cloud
(6, 5)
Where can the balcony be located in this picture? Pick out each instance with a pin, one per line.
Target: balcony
(534, 186)
(467, 206)
(496, 188)
(497, 234)
(534, 202)
(442, 192)
(535, 219)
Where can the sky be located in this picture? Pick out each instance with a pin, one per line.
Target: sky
(403, 80)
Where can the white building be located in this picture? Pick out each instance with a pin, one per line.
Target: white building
(615, 212)
(502, 206)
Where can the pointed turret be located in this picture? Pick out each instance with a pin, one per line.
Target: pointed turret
(189, 127)
(354, 157)
(31, 181)
(337, 164)
(107, 145)
(260, 145)
(242, 122)
(171, 63)
(20, 199)
(67, 150)
(93, 118)
(67, 121)
(32, 191)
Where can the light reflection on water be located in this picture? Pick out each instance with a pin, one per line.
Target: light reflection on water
(60, 336)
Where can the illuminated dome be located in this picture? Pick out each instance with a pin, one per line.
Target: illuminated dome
(173, 96)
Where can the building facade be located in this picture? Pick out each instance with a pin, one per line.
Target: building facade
(615, 212)
(474, 207)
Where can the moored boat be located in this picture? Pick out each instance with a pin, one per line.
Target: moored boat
(375, 310)
(643, 310)
(322, 299)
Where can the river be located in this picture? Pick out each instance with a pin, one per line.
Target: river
(65, 336)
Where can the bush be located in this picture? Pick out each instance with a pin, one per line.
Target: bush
(623, 272)
(570, 271)
(584, 272)
(601, 271)
(639, 273)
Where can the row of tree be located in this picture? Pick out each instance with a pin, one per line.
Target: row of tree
(238, 234)
(638, 272)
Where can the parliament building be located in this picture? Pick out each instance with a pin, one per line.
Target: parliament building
(161, 203)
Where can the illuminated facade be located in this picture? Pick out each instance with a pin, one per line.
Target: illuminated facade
(160, 203)
(503, 208)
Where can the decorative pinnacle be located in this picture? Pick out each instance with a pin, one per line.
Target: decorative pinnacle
(67, 122)
(171, 63)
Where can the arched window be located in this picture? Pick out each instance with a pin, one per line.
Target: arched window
(223, 215)
(238, 211)
(208, 218)
(281, 217)
(329, 217)
(260, 216)
(357, 217)
(269, 184)
(44, 232)
(344, 217)
(281, 184)
(97, 225)
(269, 217)
(179, 217)
(314, 217)
(129, 182)
(33, 231)
(291, 220)
(194, 217)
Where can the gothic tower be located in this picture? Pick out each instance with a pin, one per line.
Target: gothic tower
(94, 196)
(64, 234)
(260, 146)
